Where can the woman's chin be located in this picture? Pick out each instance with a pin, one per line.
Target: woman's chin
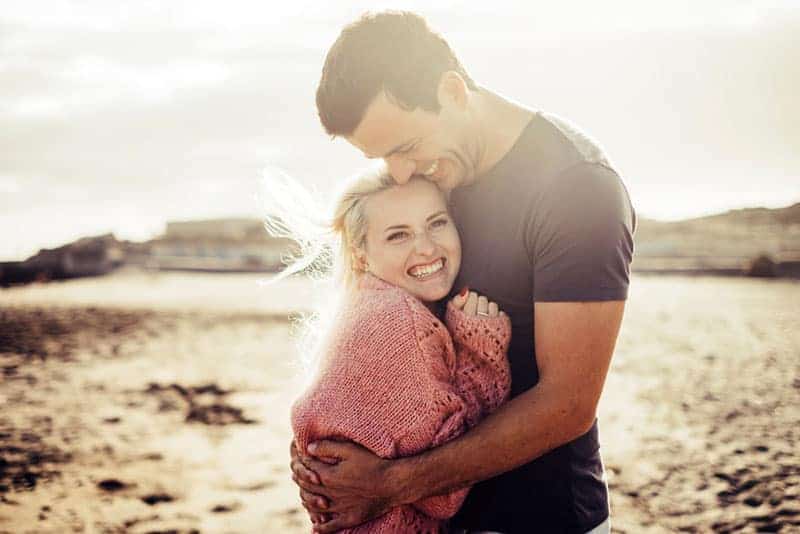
(431, 294)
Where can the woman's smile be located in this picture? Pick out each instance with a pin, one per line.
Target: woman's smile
(426, 271)
(411, 241)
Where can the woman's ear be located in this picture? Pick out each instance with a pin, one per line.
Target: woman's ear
(359, 260)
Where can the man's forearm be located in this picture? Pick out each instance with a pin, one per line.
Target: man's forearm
(524, 428)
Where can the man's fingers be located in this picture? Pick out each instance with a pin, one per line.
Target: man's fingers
(336, 524)
(493, 309)
(302, 472)
(312, 488)
(319, 468)
(328, 450)
(298, 465)
(315, 504)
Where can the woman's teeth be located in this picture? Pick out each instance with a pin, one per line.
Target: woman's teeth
(421, 271)
(432, 169)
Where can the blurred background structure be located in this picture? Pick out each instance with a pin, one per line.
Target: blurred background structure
(150, 392)
(119, 118)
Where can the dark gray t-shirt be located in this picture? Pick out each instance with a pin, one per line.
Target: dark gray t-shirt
(550, 222)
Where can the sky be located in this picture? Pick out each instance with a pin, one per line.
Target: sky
(119, 117)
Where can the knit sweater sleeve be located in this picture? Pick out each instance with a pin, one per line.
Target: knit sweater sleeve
(391, 384)
(367, 391)
(482, 374)
(481, 379)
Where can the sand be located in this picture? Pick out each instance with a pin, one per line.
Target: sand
(159, 403)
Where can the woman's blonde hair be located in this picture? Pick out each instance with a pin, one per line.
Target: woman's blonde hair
(325, 248)
(293, 212)
(349, 219)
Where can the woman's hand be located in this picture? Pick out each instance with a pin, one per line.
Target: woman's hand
(473, 304)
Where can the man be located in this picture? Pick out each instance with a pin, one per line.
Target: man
(546, 228)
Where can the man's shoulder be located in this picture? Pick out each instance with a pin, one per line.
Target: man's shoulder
(570, 164)
(553, 165)
(551, 145)
(587, 149)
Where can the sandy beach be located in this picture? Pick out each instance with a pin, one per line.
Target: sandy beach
(155, 403)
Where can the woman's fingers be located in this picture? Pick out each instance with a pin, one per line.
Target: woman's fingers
(461, 299)
(471, 307)
(475, 304)
(483, 306)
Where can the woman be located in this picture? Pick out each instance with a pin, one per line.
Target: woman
(392, 377)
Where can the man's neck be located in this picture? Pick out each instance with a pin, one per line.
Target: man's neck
(500, 122)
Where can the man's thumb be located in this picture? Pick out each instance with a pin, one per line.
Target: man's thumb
(326, 450)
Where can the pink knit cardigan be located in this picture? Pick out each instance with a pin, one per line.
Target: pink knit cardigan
(394, 380)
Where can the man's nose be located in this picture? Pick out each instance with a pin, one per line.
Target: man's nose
(400, 168)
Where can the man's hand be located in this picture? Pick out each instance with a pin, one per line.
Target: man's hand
(312, 502)
(343, 485)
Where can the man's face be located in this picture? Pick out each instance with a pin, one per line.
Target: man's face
(434, 145)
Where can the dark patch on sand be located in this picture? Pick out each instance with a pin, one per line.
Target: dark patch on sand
(258, 486)
(43, 334)
(157, 498)
(25, 460)
(113, 485)
(201, 404)
(226, 508)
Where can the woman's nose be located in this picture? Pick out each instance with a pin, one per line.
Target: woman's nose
(424, 244)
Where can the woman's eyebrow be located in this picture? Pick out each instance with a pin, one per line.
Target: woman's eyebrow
(396, 227)
(406, 226)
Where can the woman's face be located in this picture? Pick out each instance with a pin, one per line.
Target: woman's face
(411, 240)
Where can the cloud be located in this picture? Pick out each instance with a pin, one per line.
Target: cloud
(103, 104)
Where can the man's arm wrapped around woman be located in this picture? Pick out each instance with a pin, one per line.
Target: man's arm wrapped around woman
(390, 382)
(482, 379)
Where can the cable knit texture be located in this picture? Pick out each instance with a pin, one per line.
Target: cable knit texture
(394, 380)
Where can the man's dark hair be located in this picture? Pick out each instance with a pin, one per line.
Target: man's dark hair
(392, 51)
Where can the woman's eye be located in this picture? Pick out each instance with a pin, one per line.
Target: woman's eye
(396, 236)
(439, 223)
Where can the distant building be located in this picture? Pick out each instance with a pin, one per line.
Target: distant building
(218, 245)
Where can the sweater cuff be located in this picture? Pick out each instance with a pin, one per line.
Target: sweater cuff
(473, 330)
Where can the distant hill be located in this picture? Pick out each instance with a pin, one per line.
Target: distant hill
(754, 216)
(725, 240)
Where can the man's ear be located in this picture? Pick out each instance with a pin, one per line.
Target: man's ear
(452, 90)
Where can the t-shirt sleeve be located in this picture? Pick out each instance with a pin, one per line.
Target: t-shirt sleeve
(580, 237)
